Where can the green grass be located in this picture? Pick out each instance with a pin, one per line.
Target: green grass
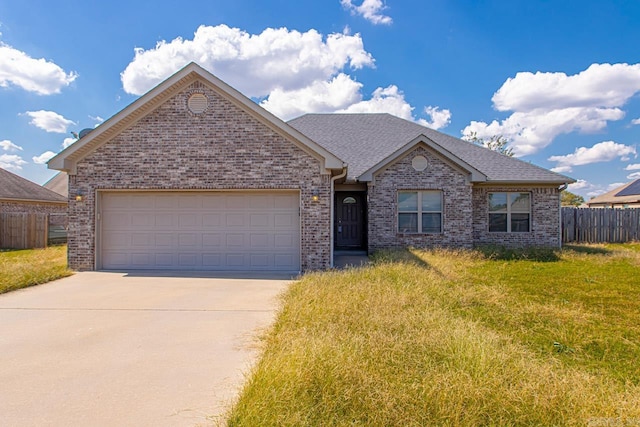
(459, 338)
(22, 268)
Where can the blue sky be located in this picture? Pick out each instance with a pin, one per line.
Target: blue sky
(560, 80)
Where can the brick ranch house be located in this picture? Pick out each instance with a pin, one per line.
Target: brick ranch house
(195, 176)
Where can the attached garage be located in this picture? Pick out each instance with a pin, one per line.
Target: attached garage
(199, 230)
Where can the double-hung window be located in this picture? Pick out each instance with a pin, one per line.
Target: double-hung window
(510, 212)
(420, 211)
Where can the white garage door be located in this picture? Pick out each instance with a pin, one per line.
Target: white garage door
(200, 231)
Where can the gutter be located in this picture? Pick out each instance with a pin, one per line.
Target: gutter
(333, 181)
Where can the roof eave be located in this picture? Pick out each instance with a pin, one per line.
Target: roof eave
(528, 182)
(67, 159)
(474, 174)
(52, 202)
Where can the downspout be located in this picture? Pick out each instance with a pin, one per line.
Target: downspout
(333, 180)
(560, 189)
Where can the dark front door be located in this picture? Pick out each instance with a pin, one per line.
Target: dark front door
(349, 227)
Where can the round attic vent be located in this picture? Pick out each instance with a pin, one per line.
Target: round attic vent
(197, 103)
(419, 163)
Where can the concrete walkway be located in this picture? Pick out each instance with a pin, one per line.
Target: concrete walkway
(349, 259)
(111, 349)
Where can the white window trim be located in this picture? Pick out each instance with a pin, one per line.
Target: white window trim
(509, 212)
(419, 212)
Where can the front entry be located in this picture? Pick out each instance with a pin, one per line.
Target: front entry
(350, 220)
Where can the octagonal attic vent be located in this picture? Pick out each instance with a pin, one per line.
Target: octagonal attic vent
(419, 163)
(197, 103)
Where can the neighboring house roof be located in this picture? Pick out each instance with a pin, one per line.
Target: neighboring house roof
(16, 188)
(364, 141)
(59, 184)
(626, 194)
(67, 159)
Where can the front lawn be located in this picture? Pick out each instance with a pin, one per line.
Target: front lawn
(22, 268)
(460, 338)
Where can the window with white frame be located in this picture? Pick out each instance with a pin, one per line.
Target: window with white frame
(510, 212)
(420, 211)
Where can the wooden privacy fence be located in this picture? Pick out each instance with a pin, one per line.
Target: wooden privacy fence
(600, 225)
(23, 230)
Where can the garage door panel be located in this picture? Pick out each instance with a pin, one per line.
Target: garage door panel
(211, 220)
(189, 220)
(141, 259)
(283, 220)
(164, 260)
(193, 201)
(144, 240)
(235, 240)
(260, 220)
(200, 231)
(163, 240)
(285, 240)
(164, 220)
(235, 260)
(116, 220)
(235, 220)
(259, 240)
(163, 201)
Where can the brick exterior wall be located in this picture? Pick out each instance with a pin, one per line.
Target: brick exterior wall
(439, 175)
(32, 207)
(544, 222)
(465, 209)
(59, 209)
(221, 148)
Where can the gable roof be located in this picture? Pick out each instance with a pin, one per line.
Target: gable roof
(58, 184)
(627, 193)
(67, 159)
(365, 141)
(16, 188)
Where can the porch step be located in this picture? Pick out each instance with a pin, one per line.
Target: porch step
(346, 259)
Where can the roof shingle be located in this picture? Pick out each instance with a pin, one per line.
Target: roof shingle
(15, 187)
(364, 140)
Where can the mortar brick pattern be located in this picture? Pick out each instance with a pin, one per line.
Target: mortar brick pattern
(439, 175)
(465, 209)
(223, 148)
(545, 218)
(32, 207)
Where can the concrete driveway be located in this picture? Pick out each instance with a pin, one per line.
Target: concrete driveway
(117, 349)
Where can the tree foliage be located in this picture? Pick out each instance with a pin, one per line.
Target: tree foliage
(567, 198)
(496, 143)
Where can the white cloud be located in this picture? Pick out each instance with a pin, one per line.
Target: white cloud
(580, 184)
(11, 161)
(7, 145)
(97, 119)
(634, 175)
(49, 121)
(588, 190)
(545, 105)
(601, 152)
(43, 158)
(67, 142)
(615, 185)
(632, 167)
(255, 64)
(562, 169)
(34, 75)
(384, 100)
(635, 121)
(439, 118)
(319, 97)
(369, 10)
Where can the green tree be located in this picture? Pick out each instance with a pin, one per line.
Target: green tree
(496, 143)
(567, 198)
